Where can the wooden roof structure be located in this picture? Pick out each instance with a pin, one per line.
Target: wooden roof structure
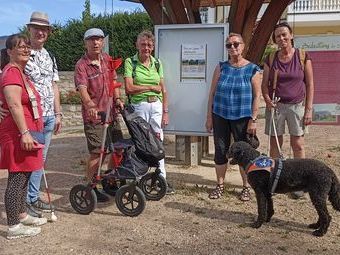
(242, 18)
(180, 11)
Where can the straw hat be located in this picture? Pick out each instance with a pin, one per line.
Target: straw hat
(39, 19)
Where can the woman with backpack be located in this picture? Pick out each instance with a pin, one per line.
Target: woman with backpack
(295, 90)
(144, 85)
(232, 108)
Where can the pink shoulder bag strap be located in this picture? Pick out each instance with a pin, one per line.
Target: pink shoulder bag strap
(30, 93)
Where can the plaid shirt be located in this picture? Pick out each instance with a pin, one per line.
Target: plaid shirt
(234, 96)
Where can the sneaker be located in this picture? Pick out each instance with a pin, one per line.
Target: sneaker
(33, 221)
(296, 195)
(101, 198)
(32, 212)
(20, 231)
(42, 206)
(169, 189)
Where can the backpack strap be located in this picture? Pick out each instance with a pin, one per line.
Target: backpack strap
(53, 59)
(302, 57)
(134, 66)
(271, 58)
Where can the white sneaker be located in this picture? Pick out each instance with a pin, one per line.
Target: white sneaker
(20, 231)
(33, 221)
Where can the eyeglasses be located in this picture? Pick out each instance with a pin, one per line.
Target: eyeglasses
(144, 45)
(23, 48)
(235, 44)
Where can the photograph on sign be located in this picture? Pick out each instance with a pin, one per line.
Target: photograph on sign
(193, 62)
(325, 112)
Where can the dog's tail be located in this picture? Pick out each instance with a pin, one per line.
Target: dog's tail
(334, 194)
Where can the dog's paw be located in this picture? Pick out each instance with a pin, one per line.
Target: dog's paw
(318, 232)
(256, 224)
(314, 225)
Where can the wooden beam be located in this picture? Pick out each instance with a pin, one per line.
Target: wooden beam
(177, 8)
(196, 11)
(155, 12)
(190, 13)
(249, 24)
(265, 28)
(207, 3)
(169, 11)
(240, 16)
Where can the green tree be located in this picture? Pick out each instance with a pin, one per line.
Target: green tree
(66, 42)
(86, 15)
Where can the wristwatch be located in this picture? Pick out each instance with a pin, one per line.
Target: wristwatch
(254, 120)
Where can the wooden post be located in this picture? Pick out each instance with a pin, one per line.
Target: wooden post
(180, 147)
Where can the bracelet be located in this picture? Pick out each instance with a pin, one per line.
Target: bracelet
(166, 110)
(58, 114)
(24, 132)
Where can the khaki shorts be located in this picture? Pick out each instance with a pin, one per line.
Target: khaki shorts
(292, 114)
(94, 136)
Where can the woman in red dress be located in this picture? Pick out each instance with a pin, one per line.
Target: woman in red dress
(19, 152)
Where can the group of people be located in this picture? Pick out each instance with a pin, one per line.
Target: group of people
(30, 103)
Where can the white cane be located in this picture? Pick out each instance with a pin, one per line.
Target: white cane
(272, 110)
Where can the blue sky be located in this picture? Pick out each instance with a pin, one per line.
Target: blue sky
(16, 13)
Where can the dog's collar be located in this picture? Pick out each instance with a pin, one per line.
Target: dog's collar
(260, 163)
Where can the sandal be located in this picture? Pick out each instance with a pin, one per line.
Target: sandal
(217, 192)
(245, 194)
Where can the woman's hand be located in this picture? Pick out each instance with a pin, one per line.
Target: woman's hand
(209, 123)
(307, 118)
(26, 142)
(165, 119)
(251, 128)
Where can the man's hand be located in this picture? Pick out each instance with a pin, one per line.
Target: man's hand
(57, 124)
(3, 112)
(92, 113)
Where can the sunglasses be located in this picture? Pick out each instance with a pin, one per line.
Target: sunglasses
(235, 44)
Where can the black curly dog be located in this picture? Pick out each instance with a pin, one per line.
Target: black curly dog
(309, 175)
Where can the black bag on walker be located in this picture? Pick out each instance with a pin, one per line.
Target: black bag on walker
(148, 146)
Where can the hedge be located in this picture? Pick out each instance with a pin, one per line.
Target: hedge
(66, 42)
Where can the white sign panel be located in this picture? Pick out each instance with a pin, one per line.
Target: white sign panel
(189, 54)
(193, 62)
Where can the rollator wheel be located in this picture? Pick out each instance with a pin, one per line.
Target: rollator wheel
(130, 200)
(83, 199)
(153, 186)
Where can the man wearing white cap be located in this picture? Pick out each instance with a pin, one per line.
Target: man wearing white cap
(42, 70)
(91, 78)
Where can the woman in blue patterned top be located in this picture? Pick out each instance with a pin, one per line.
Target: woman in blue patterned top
(232, 108)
